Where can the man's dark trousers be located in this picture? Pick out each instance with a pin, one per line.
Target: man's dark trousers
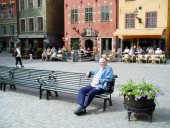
(91, 91)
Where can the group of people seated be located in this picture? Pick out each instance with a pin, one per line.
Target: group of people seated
(85, 52)
(149, 50)
(51, 54)
(142, 54)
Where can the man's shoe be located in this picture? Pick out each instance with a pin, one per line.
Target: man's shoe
(80, 110)
(22, 66)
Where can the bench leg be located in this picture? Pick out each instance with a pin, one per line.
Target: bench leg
(56, 94)
(110, 100)
(4, 87)
(1, 86)
(40, 96)
(104, 107)
(12, 86)
(47, 94)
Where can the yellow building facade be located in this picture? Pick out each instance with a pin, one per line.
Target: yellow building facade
(143, 23)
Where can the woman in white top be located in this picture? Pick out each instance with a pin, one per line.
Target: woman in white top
(126, 50)
(158, 51)
(18, 56)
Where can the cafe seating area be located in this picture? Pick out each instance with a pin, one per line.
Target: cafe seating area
(143, 58)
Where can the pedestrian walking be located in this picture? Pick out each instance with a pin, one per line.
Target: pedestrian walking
(18, 56)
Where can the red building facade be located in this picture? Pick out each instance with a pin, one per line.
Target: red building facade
(90, 24)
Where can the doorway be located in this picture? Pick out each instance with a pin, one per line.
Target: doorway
(106, 46)
(89, 44)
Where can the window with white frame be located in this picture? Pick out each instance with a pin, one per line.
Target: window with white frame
(11, 11)
(12, 29)
(22, 4)
(30, 4)
(31, 24)
(88, 14)
(40, 23)
(105, 13)
(2, 12)
(23, 25)
(3, 30)
(129, 20)
(74, 15)
(151, 19)
(39, 3)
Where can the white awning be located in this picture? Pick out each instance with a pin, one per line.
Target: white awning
(140, 32)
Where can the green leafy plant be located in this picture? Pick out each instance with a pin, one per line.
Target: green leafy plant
(164, 60)
(39, 50)
(139, 90)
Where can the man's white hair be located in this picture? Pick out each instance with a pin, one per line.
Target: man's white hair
(103, 59)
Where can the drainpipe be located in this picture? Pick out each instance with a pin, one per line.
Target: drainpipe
(168, 32)
(17, 11)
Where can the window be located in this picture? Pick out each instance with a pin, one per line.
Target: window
(3, 30)
(23, 24)
(11, 11)
(105, 13)
(22, 4)
(39, 4)
(151, 19)
(129, 21)
(12, 29)
(31, 24)
(30, 4)
(40, 23)
(74, 16)
(2, 12)
(88, 14)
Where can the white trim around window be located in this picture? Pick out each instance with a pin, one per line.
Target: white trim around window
(21, 26)
(28, 18)
(28, 4)
(37, 24)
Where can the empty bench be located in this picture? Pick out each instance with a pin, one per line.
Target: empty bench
(4, 73)
(71, 82)
(24, 77)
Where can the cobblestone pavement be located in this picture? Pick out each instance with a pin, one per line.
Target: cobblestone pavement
(22, 108)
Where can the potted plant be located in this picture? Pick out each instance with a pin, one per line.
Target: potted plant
(140, 97)
(164, 60)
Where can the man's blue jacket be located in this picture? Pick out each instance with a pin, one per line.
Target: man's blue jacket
(106, 76)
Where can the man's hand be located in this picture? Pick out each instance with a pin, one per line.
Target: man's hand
(96, 82)
(87, 75)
